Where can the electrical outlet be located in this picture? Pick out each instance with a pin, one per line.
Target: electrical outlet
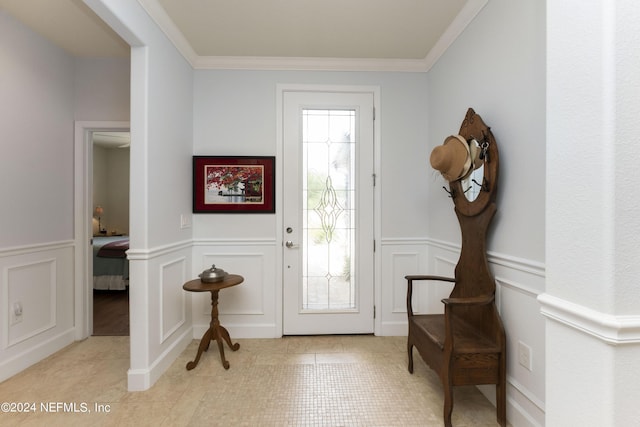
(185, 221)
(16, 312)
(524, 355)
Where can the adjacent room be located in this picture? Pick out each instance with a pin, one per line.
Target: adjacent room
(110, 230)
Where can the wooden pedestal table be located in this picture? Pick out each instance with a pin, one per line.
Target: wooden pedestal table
(216, 331)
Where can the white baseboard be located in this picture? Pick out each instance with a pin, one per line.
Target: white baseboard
(256, 330)
(35, 354)
(143, 379)
(393, 329)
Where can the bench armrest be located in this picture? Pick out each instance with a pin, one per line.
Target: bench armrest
(423, 277)
(411, 278)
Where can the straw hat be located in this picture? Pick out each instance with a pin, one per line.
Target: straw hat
(452, 159)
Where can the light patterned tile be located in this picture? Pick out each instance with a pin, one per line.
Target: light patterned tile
(320, 344)
(340, 358)
(294, 381)
(286, 359)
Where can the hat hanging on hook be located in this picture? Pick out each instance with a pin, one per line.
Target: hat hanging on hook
(452, 159)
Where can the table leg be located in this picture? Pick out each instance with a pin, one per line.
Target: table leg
(225, 335)
(204, 346)
(215, 332)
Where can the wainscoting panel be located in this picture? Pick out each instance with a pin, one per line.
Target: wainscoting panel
(247, 310)
(519, 284)
(32, 287)
(399, 257)
(160, 329)
(247, 297)
(39, 280)
(402, 262)
(444, 264)
(172, 296)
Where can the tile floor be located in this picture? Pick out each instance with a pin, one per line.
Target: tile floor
(292, 381)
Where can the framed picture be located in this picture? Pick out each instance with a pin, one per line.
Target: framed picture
(234, 184)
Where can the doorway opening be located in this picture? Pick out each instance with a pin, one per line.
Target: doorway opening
(96, 220)
(110, 231)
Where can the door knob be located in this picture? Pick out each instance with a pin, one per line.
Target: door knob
(289, 244)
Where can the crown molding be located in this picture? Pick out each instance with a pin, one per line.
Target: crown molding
(306, 64)
(167, 26)
(453, 31)
(457, 26)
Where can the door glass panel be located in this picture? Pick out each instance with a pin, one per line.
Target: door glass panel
(328, 234)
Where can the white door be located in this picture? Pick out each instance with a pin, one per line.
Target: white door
(328, 213)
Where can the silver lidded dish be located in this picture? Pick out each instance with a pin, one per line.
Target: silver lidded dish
(213, 275)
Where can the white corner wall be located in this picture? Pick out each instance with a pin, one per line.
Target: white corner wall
(592, 300)
(497, 67)
(161, 150)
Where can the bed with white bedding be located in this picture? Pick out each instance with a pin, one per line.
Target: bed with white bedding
(110, 263)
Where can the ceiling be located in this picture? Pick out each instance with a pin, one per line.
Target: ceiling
(111, 139)
(211, 33)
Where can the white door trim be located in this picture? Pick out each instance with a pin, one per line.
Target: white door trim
(280, 91)
(82, 210)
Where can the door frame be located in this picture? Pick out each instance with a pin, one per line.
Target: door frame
(83, 211)
(281, 89)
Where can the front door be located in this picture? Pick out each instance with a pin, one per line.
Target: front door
(328, 213)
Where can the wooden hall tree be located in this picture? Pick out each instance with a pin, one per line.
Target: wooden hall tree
(466, 345)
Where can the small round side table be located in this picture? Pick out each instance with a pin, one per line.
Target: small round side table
(216, 331)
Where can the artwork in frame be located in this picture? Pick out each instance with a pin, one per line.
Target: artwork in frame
(234, 184)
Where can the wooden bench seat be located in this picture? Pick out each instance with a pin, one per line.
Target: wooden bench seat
(466, 338)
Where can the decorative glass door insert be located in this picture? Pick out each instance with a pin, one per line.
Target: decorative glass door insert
(327, 212)
(328, 228)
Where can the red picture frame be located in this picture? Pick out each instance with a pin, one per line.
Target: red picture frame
(234, 184)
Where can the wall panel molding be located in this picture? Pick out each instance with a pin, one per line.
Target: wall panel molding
(40, 277)
(512, 262)
(399, 263)
(39, 247)
(404, 241)
(172, 296)
(251, 309)
(20, 280)
(234, 242)
(134, 254)
(253, 278)
(519, 287)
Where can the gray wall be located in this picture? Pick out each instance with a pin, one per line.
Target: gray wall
(46, 90)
